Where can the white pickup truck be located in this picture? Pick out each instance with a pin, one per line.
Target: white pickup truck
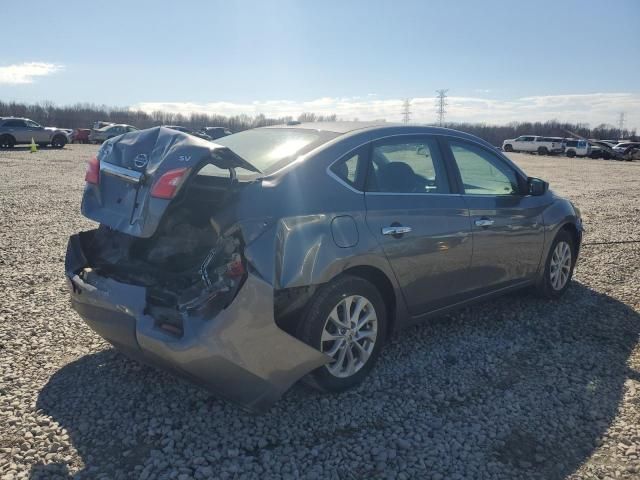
(533, 143)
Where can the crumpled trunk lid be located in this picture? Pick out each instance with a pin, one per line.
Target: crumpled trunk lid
(131, 164)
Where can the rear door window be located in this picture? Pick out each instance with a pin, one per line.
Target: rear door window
(15, 123)
(411, 165)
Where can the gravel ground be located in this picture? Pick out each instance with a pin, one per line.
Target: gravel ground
(513, 388)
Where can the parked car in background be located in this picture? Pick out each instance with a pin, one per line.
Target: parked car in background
(110, 131)
(99, 124)
(17, 131)
(179, 128)
(534, 144)
(278, 252)
(627, 151)
(623, 146)
(216, 132)
(577, 148)
(81, 135)
(601, 149)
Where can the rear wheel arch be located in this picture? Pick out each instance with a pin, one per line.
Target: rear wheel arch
(383, 284)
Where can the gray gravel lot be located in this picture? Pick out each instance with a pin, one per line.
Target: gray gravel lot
(513, 388)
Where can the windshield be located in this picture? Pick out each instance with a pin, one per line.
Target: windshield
(270, 149)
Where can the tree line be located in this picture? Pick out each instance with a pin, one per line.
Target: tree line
(82, 115)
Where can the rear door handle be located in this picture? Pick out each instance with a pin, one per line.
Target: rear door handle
(484, 222)
(400, 230)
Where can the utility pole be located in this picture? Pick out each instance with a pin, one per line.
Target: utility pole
(441, 104)
(406, 110)
(621, 123)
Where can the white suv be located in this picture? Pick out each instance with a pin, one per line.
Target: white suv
(577, 148)
(533, 143)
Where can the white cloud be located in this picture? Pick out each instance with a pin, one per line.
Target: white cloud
(593, 108)
(25, 72)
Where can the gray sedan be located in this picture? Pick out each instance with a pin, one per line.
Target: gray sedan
(110, 131)
(294, 251)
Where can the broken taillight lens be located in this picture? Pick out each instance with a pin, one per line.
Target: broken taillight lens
(168, 184)
(235, 268)
(92, 174)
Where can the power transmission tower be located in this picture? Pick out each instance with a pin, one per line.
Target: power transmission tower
(406, 110)
(621, 123)
(441, 104)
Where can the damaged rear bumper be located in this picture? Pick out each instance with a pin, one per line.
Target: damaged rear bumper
(240, 354)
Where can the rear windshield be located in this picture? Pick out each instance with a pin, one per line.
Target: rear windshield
(270, 149)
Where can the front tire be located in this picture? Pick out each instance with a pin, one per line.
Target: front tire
(508, 148)
(571, 154)
(543, 151)
(559, 265)
(58, 141)
(347, 320)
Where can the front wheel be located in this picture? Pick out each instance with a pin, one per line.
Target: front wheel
(58, 141)
(347, 321)
(543, 151)
(558, 267)
(508, 148)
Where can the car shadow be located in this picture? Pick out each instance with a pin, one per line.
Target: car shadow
(536, 384)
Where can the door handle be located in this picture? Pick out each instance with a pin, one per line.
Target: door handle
(399, 230)
(484, 222)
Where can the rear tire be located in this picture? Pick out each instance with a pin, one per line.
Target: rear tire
(558, 268)
(354, 340)
(508, 148)
(7, 141)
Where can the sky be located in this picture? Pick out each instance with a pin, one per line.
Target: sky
(501, 61)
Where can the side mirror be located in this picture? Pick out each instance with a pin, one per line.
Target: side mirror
(536, 186)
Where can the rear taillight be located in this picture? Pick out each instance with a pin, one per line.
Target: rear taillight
(235, 268)
(92, 174)
(168, 184)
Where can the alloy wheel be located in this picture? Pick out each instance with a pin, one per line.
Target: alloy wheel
(560, 267)
(349, 335)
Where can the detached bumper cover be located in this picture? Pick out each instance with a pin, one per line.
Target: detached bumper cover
(240, 354)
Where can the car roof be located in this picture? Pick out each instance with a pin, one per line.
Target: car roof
(335, 127)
